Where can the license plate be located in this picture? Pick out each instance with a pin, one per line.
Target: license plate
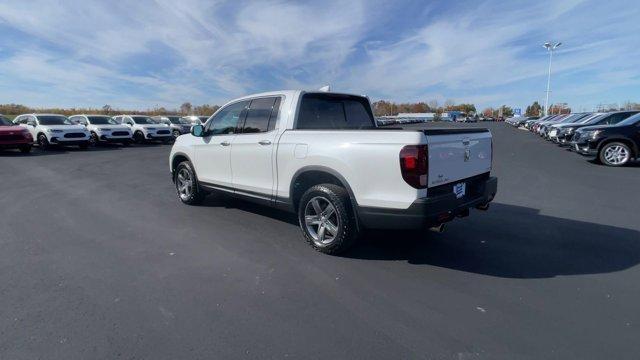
(460, 189)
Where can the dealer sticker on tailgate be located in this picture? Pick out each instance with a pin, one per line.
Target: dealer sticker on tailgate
(460, 189)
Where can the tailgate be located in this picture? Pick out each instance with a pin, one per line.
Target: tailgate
(456, 154)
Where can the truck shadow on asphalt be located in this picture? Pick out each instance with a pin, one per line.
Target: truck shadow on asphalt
(507, 241)
(511, 242)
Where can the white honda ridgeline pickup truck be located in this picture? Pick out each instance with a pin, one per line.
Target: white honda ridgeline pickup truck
(322, 156)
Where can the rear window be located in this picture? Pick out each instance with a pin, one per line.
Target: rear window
(332, 111)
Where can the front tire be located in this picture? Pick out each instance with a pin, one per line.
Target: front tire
(43, 142)
(138, 137)
(176, 133)
(186, 182)
(615, 154)
(326, 219)
(93, 139)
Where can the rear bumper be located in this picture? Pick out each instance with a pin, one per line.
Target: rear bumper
(429, 211)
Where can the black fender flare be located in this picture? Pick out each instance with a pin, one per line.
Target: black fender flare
(334, 173)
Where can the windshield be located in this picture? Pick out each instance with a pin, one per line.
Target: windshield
(595, 119)
(568, 119)
(588, 118)
(101, 120)
(576, 118)
(4, 121)
(53, 120)
(630, 120)
(143, 120)
(178, 120)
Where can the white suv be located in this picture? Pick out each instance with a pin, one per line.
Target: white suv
(144, 128)
(48, 129)
(177, 124)
(103, 128)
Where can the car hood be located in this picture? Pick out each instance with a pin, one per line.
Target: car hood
(10, 129)
(112, 127)
(152, 126)
(64, 127)
(596, 127)
(562, 126)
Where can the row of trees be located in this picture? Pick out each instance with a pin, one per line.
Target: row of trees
(504, 111)
(380, 108)
(185, 109)
(387, 108)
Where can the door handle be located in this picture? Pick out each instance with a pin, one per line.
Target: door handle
(225, 143)
(264, 142)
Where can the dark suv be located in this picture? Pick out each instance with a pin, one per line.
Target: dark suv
(613, 145)
(610, 118)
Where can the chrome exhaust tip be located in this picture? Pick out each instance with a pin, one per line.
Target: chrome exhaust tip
(483, 207)
(439, 228)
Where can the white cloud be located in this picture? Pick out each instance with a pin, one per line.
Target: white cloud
(84, 53)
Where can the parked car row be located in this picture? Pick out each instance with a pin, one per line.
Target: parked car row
(84, 130)
(518, 121)
(612, 138)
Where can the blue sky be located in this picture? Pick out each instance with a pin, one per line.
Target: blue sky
(139, 54)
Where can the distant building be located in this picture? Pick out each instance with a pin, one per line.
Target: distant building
(416, 116)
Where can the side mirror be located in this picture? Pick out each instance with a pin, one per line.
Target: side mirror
(197, 130)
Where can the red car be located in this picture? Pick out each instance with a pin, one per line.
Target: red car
(14, 137)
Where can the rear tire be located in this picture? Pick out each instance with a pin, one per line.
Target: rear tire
(176, 133)
(326, 219)
(615, 154)
(187, 186)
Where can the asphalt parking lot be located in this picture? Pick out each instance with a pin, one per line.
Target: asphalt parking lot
(100, 260)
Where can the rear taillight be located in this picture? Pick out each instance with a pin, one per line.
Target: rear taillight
(414, 164)
(491, 166)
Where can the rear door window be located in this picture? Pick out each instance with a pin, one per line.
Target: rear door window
(333, 111)
(259, 115)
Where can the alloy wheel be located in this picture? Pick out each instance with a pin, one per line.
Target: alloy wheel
(184, 184)
(321, 220)
(93, 139)
(616, 154)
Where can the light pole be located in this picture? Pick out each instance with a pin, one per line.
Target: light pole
(550, 48)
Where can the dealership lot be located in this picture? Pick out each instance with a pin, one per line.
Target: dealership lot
(100, 260)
